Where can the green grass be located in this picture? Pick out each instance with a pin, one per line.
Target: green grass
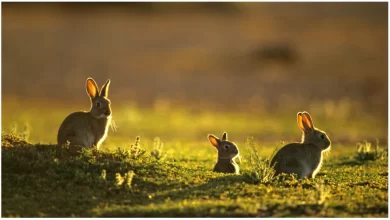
(48, 181)
(181, 125)
(169, 171)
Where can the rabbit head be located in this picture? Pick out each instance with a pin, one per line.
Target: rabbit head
(312, 135)
(100, 103)
(226, 149)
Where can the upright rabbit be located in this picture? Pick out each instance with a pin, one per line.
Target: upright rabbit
(227, 152)
(88, 129)
(305, 158)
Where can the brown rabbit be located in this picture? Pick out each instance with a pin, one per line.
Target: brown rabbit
(227, 152)
(88, 129)
(305, 158)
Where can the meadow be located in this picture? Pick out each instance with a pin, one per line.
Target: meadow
(178, 73)
(48, 181)
(171, 169)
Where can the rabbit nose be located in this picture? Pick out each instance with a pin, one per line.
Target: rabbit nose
(108, 112)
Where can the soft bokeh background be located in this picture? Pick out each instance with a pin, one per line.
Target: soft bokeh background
(183, 70)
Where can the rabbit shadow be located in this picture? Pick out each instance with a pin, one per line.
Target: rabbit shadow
(350, 163)
(214, 188)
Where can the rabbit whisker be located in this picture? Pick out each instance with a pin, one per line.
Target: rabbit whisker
(113, 125)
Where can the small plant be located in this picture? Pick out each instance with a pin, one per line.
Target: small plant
(24, 134)
(321, 193)
(14, 128)
(261, 171)
(157, 151)
(12, 140)
(129, 178)
(119, 179)
(103, 175)
(135, 150)
(26, 131)
(125, 180)
(365, 152)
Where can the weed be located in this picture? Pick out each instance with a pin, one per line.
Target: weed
(261, 171)
(129, 179)
(135, 150)
(125, 180)
(104, 175)
(157, 151)
(12, 140)
(26, 131)
(322, 193)
(364, 151)
(14, 128)
(24, 134)
(119, 179)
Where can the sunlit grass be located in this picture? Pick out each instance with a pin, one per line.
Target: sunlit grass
(120, 184)
(148, 178)
(180, 124)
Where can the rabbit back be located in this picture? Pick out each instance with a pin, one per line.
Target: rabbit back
(81, 128)
(301, 159)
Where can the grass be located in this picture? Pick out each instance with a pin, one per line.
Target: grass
(364, 152)
(158, 152)
(180, 124)
(261, 170)
(37, 181)
(159, 163)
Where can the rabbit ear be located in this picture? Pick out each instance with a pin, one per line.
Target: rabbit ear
(300, 123)
(214, 140)
(224, 136)
(104, 91)
(307, 122)
(92, 88)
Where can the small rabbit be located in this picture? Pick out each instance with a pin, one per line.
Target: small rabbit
(227, 152)
(88, 129)
(303, 159)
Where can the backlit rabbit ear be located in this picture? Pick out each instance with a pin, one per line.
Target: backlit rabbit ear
(307, 122)
(92, 88)
(104, 91)
(299, 120)
(224, 136)
(214, 140)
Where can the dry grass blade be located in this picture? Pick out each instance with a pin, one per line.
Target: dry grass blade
(261, 171)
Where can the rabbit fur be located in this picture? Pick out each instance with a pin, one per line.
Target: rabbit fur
(305, 158)
(88, 129)
(227, 152)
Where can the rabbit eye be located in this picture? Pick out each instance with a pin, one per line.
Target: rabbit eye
(98, 104)
(226, 147)
(322, 136)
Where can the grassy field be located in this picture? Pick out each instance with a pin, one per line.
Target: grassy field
(43, 180)
(48, 181)
(175, 178)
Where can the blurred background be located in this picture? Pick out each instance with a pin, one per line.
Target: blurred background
(182, 70)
